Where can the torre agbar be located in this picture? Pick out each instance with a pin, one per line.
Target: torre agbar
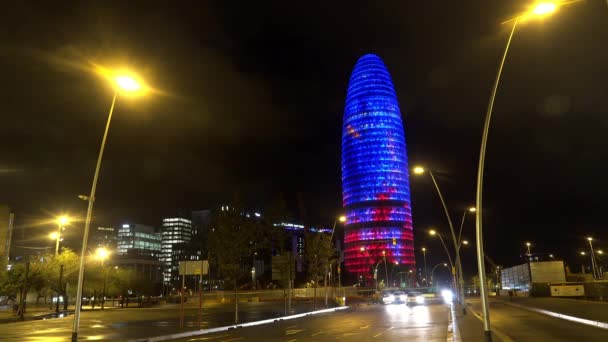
(375, 178)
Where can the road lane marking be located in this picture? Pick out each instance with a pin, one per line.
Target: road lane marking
(294, 340)
(495, 330)
(208, 338)
(291, 326)
(229, 327)
(233, 339)
(317, 333)
(364, 327)
(382, 332)
(293, 331)
(592, 323)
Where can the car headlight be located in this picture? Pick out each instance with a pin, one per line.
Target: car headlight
(403, 297)
(447, 295)
(419, 299)
(391, 298)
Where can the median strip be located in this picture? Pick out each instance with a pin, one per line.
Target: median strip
(585, 321)
(225, 328)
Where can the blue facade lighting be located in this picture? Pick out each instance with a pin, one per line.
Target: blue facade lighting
(375, 178)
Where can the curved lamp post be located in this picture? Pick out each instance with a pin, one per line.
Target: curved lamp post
(459, 287)
(125, 84)
(433, 271)
(538, 10)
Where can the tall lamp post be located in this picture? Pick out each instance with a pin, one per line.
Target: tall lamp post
(126, 84)
(433, 232)
(102, 255)
(433, 271)
(426, 275)
(419, 170)
(471, 210)
(61, 221)
(593, 263)
(538, 10)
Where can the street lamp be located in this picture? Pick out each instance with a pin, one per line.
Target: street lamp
(102, 254)
(433, 232)
(469, 210)
(61, 221)
(593, 263)
(538, 10)
(529, 254)
(419, 170)
(433, 271)
(127, 84)
(426, 275)
(341, 219)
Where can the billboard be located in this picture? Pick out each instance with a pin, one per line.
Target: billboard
(193, 267)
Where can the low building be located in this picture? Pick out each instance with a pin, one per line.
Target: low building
(540, 273)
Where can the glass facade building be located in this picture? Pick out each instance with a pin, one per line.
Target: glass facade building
(175, 231)
(375, 177)
(138, 237)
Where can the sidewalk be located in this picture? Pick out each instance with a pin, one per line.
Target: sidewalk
(595, 311)
(470, 328)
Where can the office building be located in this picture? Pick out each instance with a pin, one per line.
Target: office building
(375, 177)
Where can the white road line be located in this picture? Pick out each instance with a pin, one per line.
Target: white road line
(585, 321)
(229, 327)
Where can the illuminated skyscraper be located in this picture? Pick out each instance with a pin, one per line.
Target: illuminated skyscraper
(375, 177)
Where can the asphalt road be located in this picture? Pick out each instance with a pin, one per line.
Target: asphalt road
(133, 323)
(364, 323)
(523, 325)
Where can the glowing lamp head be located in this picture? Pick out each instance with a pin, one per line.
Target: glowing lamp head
(528, 244)
(53, 236)
(583, 253)
(544, 8)
(418, 170)
(599, 251)
(383, 252)
(445, 264)
(342, 219)
(63, 220)
(396, 262)
(102, 253)
(465, 242)
(589, 238)
(432, 232)
(127, 83)
(362, 249)
(472, 209)
(423, 249)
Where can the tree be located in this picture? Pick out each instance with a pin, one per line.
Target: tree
(231, 241)
(318, 252)
(476, 283)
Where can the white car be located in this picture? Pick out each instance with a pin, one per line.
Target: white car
(397, 297)
(415, 298)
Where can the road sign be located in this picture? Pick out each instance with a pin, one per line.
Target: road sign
(193, 267)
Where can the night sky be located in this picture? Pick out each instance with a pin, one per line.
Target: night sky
(250, 100)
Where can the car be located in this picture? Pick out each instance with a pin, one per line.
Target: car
(397, 297)
(415, 298)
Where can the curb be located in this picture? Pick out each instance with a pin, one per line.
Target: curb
(504, 337)
(597, 324)
(230, 327)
